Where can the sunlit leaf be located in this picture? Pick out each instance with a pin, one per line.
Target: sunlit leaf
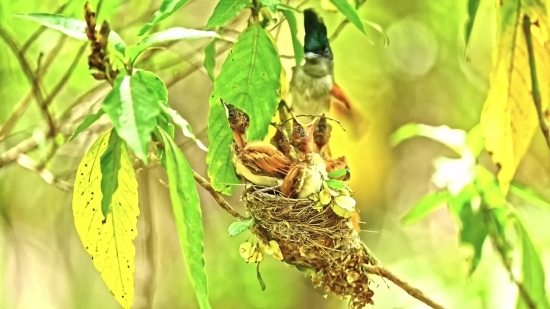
(529, 196)
(156, 85)
(271, 4)
(338, 173)
(240, 226)
(108, 239)
(188, 216)
(427, 204)
(296, 44)
(509, 119)
(533, 278)
(167, 8)
(110, 164)
(210, 59)
(452, 138)
(335, 184)
(172, 34)
(285, 7)
(88, 121)
(473, 5)
(488, 185)
(250, 80)
(183, 125)
(475, 140)
(133, 108)
(75, 28)
(349, 12)
(328, 6)
(225, 11)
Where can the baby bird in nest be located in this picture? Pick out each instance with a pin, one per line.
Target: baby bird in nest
(304, 178)
(258, 162)
(321, 137)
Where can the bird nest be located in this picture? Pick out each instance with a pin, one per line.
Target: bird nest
(315, 239)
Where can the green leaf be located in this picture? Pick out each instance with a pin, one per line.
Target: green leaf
(156, 85)
(271, 4)
(108, 239)
(225, 11)
(72, 27)
(240, 226)
(488, 185)
(167, 8)
(110, 163)
(285, 7)
(183, 125)
(475, 140)
(133, 109)
(350, 13)
(250, 80)
(88, 121)
(259, 277)
(335, 184)
(427, 204)
(533, 278)
(452, 138)
(188, 216)
(296, 44)
(473, 5)
(172, 34)
(529, 196)
(210, 59)
(338, 173)
(473, 232)
(462, 199)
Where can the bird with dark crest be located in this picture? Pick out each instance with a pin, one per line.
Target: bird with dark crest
(257, 161)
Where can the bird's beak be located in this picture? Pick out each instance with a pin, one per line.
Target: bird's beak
(310, 55)
(225, 107)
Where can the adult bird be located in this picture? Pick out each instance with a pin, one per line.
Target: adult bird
(258, 162)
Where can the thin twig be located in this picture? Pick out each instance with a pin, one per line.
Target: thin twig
(344, 23)
(217, 196)
(534, 81)
(414, 292)
(28, 163)
(40, 30)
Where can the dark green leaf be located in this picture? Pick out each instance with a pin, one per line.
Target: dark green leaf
(473, 232)
(335, 184)
(529, 196)
(475, 140)
(250, 80)
(296, 44)
(72, 27)
(338, 173)
(172, 34)
(210, 59)
(240, 226)
(183, 125)
(350, 13)
(110, 163)
(473, 5)
(188, 216)
(532, 272)
(271, 4)
(462, 199)
(259, 276)
(133, 108)
(88, 121)
(167, 8)
(427, 204)
(225, 11)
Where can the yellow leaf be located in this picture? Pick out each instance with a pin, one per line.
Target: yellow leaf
(109, 240)
(509, 118)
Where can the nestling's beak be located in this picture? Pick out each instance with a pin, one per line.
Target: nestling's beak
(225, 107)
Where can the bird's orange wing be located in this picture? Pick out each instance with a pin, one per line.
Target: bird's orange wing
(339, 95)
(266, 158)
(294, 180)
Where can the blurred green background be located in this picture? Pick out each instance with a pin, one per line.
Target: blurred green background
(424, 75)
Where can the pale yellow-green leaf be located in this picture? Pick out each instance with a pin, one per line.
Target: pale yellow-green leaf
(509, 119)
(108, 240)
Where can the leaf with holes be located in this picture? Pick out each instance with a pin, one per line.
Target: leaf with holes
(133, 108)
(509, 119)
(250, 80)
(225, 11)
(72, 27)
(167, 8)
(188, 216)
(108, 239)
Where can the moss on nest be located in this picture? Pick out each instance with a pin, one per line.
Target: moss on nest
(313, 238)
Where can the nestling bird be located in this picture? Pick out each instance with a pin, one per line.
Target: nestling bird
(321, 137)
(312, 87)
(304, 178)
(258, 162)
(282, 143)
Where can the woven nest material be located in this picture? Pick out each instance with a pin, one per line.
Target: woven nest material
(315, 239)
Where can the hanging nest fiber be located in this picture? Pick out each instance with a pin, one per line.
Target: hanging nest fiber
(315, 239)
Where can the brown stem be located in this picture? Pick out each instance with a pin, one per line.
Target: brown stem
(414, 292)
(219, 199)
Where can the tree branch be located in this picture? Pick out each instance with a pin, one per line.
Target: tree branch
(28, 163)
(217, 196)
(414, 292)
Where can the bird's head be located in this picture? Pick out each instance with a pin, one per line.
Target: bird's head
(316, 43)
(237, 118)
